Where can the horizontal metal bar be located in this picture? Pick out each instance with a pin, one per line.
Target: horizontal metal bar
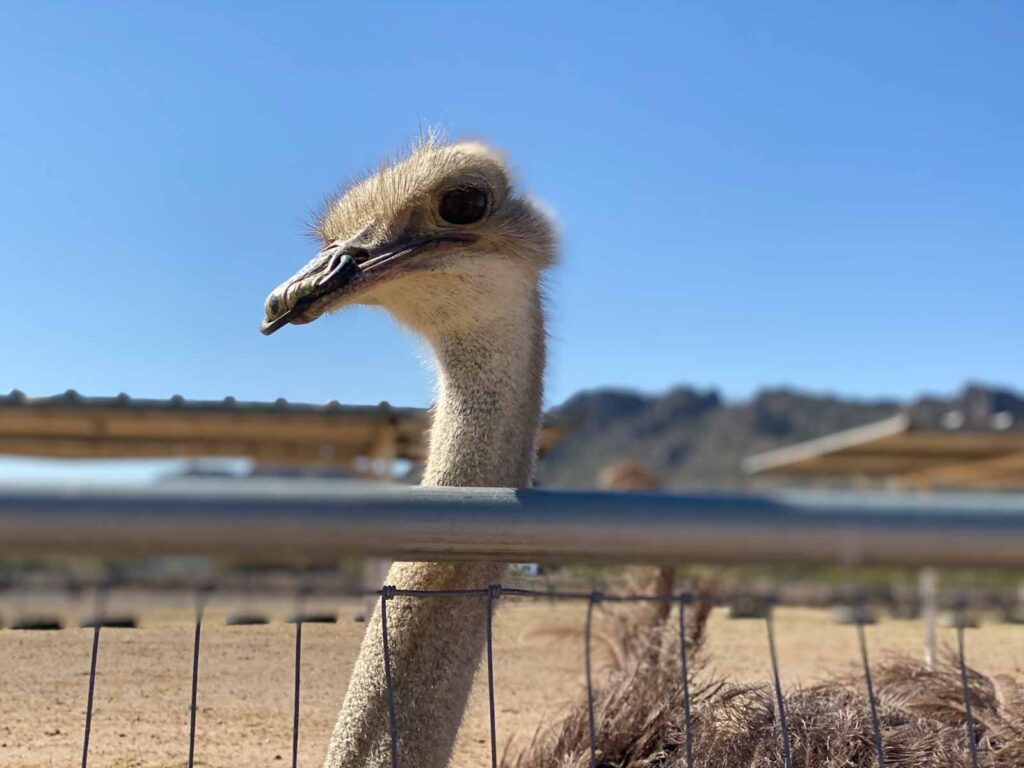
(284, 521)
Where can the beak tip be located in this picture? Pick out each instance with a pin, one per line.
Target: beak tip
(336, 269)
(268, 326)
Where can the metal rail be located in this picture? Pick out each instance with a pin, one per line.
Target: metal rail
(285, 521)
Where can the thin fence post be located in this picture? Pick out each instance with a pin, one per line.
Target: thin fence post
(493, 593)
(99, 609)
(595, 597)
(92, 688)
(779, 702)
(684, 663)
(193, 708)
(386, 593)
(972, 745)
(876, 727)
(300, 608)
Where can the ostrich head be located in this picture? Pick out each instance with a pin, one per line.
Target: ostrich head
(440, 239)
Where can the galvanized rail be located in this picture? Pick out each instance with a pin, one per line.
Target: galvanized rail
(287, 521)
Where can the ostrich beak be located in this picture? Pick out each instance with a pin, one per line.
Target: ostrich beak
(341, 269)
(329, 272)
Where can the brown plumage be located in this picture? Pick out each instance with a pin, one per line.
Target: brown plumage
(640, 723)
(630, 475)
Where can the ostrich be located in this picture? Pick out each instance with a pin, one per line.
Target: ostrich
(630, 475)
(442, 241)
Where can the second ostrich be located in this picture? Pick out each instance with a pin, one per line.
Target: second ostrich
(442, 241)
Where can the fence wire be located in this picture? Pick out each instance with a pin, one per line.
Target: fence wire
(200, 606)
(491, 595)
(683, 654)
(876, 727)
(92, 691)
(972, 743)
(780, 704)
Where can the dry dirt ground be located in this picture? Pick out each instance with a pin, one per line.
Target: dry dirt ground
(245, 688)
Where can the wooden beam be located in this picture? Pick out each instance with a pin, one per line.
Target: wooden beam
(840, 464)
(934, 442)
(1002, 471)
(783, 460)
(168, 424)
(112, 428)
(104, 448)
(384, 452)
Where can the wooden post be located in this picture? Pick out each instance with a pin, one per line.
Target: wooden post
(384, 452)
(928, 589)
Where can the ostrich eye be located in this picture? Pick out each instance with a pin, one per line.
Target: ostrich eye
(463, 206)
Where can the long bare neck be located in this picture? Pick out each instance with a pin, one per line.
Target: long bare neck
(489, 396)
(486, 420)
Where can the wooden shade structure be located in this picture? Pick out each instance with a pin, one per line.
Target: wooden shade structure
(910, 451)
(71, 426)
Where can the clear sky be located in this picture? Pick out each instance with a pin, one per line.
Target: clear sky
(823, 195)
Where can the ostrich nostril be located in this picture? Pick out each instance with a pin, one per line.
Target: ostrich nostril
(274, 305)
(357, 253)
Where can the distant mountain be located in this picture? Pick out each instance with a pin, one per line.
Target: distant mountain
(691, 438)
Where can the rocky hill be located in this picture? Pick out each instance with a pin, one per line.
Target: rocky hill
(692, 438)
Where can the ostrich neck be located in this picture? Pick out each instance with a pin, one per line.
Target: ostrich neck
(484, 434)
(488, 410)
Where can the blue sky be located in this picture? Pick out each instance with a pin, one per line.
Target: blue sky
(823, 195)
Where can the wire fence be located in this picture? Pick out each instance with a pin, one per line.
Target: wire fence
(281, 524)
(491, 596)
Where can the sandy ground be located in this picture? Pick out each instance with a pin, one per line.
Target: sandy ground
(245, 690)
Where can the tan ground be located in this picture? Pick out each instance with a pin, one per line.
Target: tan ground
(245, 693)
